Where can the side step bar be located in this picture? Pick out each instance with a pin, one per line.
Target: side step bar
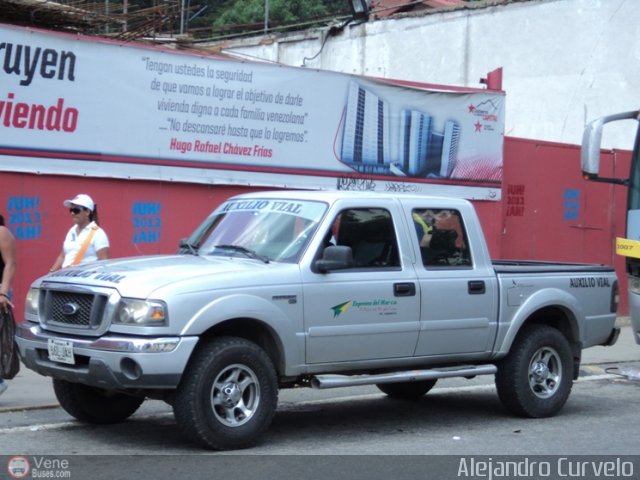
(334, 381)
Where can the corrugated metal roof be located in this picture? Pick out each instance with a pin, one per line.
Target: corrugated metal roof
(386, 8)
(90, 18)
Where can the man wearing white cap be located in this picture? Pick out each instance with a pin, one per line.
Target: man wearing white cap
(86, 241)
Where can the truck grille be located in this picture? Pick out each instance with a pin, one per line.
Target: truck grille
(80, 311)
(81, 314)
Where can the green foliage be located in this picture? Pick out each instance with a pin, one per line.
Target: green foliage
(280, 11)
(228, 16)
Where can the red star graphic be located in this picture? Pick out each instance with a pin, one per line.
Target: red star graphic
(472, 108)
(478, 126)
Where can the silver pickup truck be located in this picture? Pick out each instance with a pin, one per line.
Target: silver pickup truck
(317, 289)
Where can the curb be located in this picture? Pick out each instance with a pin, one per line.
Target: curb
(610, 368)
(623, 321)
(25, 408)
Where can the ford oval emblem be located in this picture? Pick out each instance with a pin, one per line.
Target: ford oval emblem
(70, 308)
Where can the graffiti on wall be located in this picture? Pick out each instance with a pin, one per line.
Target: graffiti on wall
(515, 200)
(146, 222)
(570, 204)
(23, 217)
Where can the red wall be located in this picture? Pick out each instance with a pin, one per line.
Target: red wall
(548, 212)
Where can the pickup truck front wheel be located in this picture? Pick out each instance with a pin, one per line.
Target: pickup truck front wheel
(228, 395)
(93, 404)
(535, 379)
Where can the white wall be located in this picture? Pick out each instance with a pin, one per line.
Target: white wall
(565, 62)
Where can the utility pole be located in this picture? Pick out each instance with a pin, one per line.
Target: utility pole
(106, 12)
(125, 12)
(182, 16)
(266, 16)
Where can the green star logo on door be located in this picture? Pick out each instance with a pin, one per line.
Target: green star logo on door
(340, 308)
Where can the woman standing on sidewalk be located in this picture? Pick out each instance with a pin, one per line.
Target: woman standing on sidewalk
(86, 241)
(7, 273)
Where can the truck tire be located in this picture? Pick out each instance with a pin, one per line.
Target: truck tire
(95, 405)
(228, 395)
(407, 390)
(535, 379)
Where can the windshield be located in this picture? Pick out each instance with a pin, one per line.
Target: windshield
(633, 206)
(265, 229)
(634, 176)
(633, 212)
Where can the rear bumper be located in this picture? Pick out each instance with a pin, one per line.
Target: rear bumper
(112, 362)
(613, 337)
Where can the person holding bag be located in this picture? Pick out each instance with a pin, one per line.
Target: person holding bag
(85, 241)
(7, 326)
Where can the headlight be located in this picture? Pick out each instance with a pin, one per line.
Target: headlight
(150, 313)
(31, 302)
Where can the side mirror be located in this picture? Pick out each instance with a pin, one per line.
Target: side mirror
(591, 145)
(335, 257)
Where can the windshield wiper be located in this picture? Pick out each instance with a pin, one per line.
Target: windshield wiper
(246, 251)
(185, 245)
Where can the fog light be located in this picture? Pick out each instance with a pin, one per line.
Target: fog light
(130, 368)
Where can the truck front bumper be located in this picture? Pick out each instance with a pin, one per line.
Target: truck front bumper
(111, 361)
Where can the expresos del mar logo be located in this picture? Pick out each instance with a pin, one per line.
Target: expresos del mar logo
(379, 306)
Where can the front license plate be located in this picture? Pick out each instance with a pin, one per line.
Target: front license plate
(61, 351)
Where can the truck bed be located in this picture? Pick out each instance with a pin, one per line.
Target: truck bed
(533, 266)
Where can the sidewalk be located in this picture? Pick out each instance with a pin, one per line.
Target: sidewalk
(26, 391)
(29, 390)
(625, 350)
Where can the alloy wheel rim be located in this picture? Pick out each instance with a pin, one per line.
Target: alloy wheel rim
(235, 395)
(545, 372)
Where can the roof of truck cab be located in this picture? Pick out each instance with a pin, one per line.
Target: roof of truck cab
(333, 195)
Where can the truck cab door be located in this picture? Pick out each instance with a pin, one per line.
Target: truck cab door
(458, 287)
(369, 310)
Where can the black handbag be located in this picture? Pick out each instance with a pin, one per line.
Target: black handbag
(9, 359)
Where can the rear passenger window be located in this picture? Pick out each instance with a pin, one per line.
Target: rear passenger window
(370, 234)
(442, 237)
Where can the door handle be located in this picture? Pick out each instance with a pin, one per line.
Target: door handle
(404, 289)
(476, 287)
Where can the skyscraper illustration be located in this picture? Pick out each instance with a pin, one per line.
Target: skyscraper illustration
(423, 152)
(415, 128)
(449, 151)
(365, 142)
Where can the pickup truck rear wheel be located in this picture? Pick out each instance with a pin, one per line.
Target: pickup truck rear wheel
(95, 405)
(407, 390)
(535, 379)
(228, 395)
